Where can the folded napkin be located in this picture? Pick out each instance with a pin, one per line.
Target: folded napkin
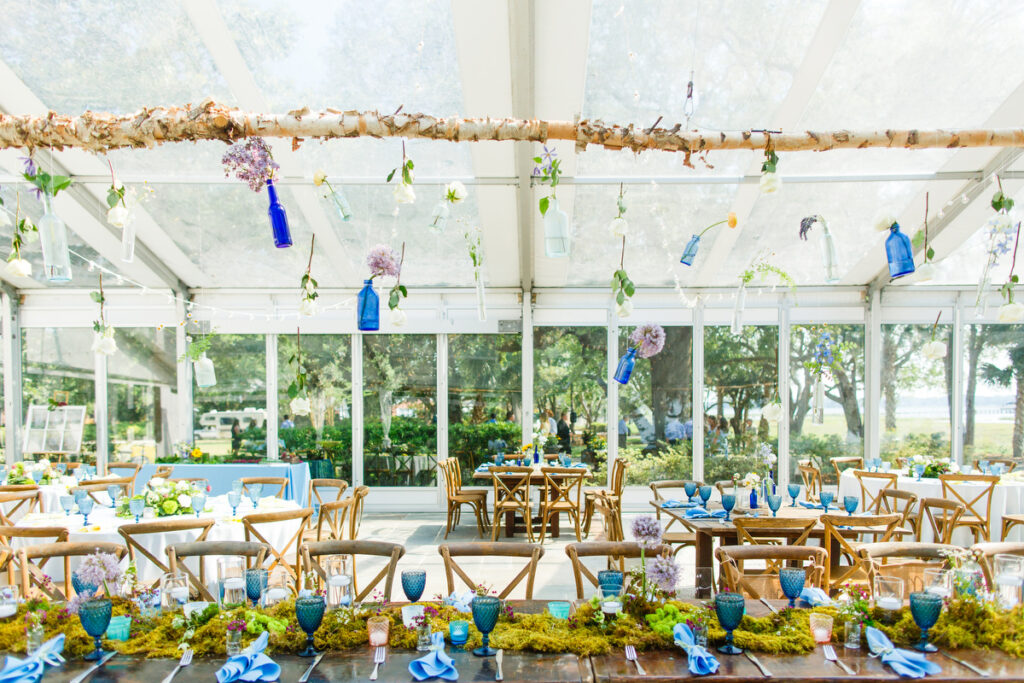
(251, 665)
(700, 661)
(436, 664)
(812, 506)
(701, 513)
(461, 602)
(30, 669)
(814, 596)
(678, 504)
(580, 465)
(484, 468)
(904, 662)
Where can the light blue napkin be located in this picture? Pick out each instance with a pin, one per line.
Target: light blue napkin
(461, 602)
(251, 665)
(814, 596)
(485, 467)
(579, 465)
(812, 506)
(906, 663)
(436, 664)
(700, 661)
(679, 504)
(30, 669)
(701, 513)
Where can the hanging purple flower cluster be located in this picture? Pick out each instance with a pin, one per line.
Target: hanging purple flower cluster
(383, 260)
(251, 162)
(648, 339)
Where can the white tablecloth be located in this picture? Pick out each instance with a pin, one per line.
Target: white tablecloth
(1007, 498)
(103, 525)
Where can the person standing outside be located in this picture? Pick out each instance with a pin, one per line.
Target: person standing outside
(564, 434)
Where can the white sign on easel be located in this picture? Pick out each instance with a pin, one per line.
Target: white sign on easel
(53, 431)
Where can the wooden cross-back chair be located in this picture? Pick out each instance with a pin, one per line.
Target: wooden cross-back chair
(773, 531)
(725, 486)
(131, 533)
(975, 492)
(839, 543)
(766, 584)
(942, 516)
(449, 551)
(163, 471)
(611, 516)
(871, 486)
(903, 503)
(93, 488)
(332, 490)
(16, 504)
(125, 470)
(613, 493)
(456, 498)
(986, 551)
(911, 561)
(8, 488)
(255, 528)
(615, 552)
(32, 578)
(34, 535)
(312, 552)
(845, 462)
(254, 554)
(268, 484)
(664, 485)
(811, 476)
(511, 494)
(563, 487)
(1009, 463)
(332, 524)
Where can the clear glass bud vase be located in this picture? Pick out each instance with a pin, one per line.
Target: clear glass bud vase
(53, 238)
(481, 304)
(737, 310)
(556, 231)
(128, 242)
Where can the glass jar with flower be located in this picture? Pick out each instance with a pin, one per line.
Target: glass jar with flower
(968, 578)
(252, 162)
(34, 631)
(698, 623)
(647, 533)
(233, 638)
(854, 611)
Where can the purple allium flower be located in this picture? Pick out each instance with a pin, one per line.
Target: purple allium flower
(383, 260)
(649, 339)
(30, 165)
(250, 161)
(664, 573)
(647, 531)
(76, 602)
(99, 569)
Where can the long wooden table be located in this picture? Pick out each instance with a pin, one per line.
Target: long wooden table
(536, 479)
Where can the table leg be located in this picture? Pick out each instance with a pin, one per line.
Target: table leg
(510, 524)
(704, 558)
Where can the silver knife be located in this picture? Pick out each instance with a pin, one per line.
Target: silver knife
(769, 606)
(753, 660)
(85, 674)
(980, 672)
(305, 676)
(497, 659)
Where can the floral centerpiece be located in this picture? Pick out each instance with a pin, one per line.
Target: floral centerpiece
(19, 474)
(164, 497)
(98, 572)
(933, 467)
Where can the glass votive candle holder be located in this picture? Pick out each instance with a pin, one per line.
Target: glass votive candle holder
(559, 609)
(888, 592)
(378, 629)
(8, 601)
(821, 628)
(173, 591)
(458, 633)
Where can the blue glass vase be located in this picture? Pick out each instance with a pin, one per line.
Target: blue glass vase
(753, 497)
(690, 252)
(278, 219)
(899, 252)
(625, 369)
(368, 308)
(95, 617)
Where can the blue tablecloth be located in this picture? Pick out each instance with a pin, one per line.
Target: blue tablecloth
(221, 476)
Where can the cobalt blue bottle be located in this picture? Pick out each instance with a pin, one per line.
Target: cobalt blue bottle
(625, 369)
(899, 252)
(368, 308)
(278, 219)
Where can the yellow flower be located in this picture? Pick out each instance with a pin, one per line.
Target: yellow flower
(732, 219)
(196, 453)
(527, 447)
(319, 177)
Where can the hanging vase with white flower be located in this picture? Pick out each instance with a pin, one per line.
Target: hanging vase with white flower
(23, 231)
(202, 366)
(934, 350)
(308, 293)
(454, 193)
(474, 242)
(121, 214)
(403, 193)
(1002, 229)
(1011, 312)
(300, 403)
(826, 360)
(103, 340)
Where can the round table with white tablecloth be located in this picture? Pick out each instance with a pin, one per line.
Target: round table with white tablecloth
(1007, 499)
(103, 525)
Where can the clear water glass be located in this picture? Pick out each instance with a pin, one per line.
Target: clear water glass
(1008, 575)
(278, 587)
(255, 491)
(938, 581)
(68, 503)
(237, 486)
(231, 576)
(339, 581)
(889, 592)
(173, 591)
(137, 506)
(234, 498)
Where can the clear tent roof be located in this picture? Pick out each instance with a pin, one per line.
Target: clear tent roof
(787, 65)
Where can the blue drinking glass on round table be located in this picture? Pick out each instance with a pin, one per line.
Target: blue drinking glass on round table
(234, 498)
(309, 612)
(256, 584)
(198, 503)
(413, 583)
(690, 489)
(112, 491)
(68, 503)
(485, 615)
(792, 580)
(85, 507)
(95, 617)
(826, 498)
(62, 467)
(137, 506)
(850, 504)
(794, 493)
(255, 491)
(918, 471)
(983, 466)
(728, 503)
(774, 503)
(705, 494)
(729, 608)
(925, 608)
(237, 486)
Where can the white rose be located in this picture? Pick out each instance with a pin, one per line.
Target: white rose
(1011, 313)
(119, 216)
(181, 486)
(152, 498)
(104, 342)
(308, 307)
(319, 177)
(770, 182)
(19, 267)
(156, 481)
(934, 350)
(884, 221)
(625, 309)
(185, 500)
(619, 226)
(925, 272)
(772, 412)
(300, 405)
(398, 317)
(404, 194)
(455, 192)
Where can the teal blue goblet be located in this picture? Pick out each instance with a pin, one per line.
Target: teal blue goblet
(728, 503)
(794, 492)
(309, 612)
(690, 488)
(774, 503)
(792, 580)
(729, 608)
(925, 608)
(850, 504)
(95, 618)
(413, 583)
(705, 494)
(826, 498)
(485, 615)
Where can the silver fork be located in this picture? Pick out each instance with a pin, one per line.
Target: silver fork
(830, 655)
(186, 659)
(378, 659)
(631, 656)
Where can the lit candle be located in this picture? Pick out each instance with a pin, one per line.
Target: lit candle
(234, 583)
(611, 606)
(339, 580)
(276, 594)
(821, 635)
(889, 602)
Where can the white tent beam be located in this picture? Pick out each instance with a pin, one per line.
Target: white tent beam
(521, 54)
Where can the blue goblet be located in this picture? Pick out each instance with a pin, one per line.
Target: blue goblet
(237, 486)
(792, 580)
(728, 503)
(850, 504)
(705, 494)
(95, 618)
(36, 475)
(309, 612)
(79, 494)
(90, 471)
(918, 471)
(112, 491)
(983, 466)
(85, 507)
(413, 583)
(729, 608)
(925, 608)
(485, 615)
(234, 498)
(62, 467)
(610, 578)
(198, 503)
(81, 587)
(68, 503)
(794, 493)
(137, 506)
(826, 498)
(774, 503)
(255, 491)
(690, 488)
(256, 584)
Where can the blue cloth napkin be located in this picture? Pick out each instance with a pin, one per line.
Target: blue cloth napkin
(812, 506)
(814, 596)
(30, 669)
(579, 464)
(461, 602)
(485, 467)
(906, 663)
(679, 504)
(700, 661)
(251, 665)
(436, 664)
(701, 513)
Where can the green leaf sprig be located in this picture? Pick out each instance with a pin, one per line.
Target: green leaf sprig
(406, 168)
(547, 171)
(398, 292)
(43, 181)
(22, 228)
(760, 266)
(99, 326)
(771, 161)
(195, 348)
(298, 385)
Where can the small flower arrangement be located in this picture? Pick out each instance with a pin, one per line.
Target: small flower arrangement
(404, 194)
(760, 267)
(196, 347)
(547, 171)
(339, 199)
(99, 569)
(251, 161)
(383, 260)
(44, 182)
(23, 231)
(854, 604)
(751, 480)
(165, 498)
(103, 340)
(648, 339)
(827, 355)
(455, 192)
(622, 287)
(19, 475)
(770, 180)
(122, 203)
(238, 625)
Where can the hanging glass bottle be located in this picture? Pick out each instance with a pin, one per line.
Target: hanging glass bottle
(439, 216)
(53, 238)
(278, 219)
(818, 403)
(899, 253)
(556, 231)
(205, 375)
(828, 248)
(737, 310)
(341, 205)
(128, 242)
(690, 252)
(625, 367)
(481, 308)
(368, 308)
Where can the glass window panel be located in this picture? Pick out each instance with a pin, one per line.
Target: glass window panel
(841, 433)
(230, 417)
(916, 392)
(326, 433)
(655, 430)
(993, 374)
(740, 376)
(142, 393)
(485, 374)
(400, 410)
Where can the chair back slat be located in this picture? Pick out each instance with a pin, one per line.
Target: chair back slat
(37, 534)
(612, 516)
(280, 482)
(449, 551)
(256, 527)
(844, 462)
(766, 584)
(312, 552)
(331, 524)
(618, 482)
(125, 470)
(254, 554)
(773, 531)
(839, 538)
(975, 492)
(942, 516)
(903, 503)
(658, 488)
(355, 513)
(871, 486)
(912, 560)
(326, 486)
(811, 476)
(16, 504)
